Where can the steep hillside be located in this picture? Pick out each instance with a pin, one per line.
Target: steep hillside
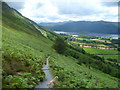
(84, 27)
(25, 49)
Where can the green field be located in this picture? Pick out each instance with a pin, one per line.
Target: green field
(111, 53)
(109, 56)
(99, 51)
(114, 57)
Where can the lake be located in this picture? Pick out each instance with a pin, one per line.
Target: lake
(114, 36)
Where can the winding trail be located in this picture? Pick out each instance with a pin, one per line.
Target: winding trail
(48, 76)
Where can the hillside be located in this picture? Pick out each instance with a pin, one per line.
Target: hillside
(26, 46)
(84, 26)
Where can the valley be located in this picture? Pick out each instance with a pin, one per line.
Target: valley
(26, 46)
(102, 46)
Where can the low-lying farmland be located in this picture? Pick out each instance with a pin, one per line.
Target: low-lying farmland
(100, 51)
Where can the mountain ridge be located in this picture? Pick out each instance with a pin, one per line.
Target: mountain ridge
(84, 26)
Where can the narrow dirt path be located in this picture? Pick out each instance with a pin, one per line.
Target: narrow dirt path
(48, 76)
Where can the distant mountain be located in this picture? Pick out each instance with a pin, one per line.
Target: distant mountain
(84, 26)
(52, 24)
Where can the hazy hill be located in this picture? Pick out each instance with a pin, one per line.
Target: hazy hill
(25, 47)
(84, 26)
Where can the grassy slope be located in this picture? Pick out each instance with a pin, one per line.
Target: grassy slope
(25, 50)
(74, 75)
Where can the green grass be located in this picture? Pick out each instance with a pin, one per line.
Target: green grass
(25, 50)
(109, 56)
(100, 51)
(114, 57)
(23, 53)
(72, 75)
(89, 44)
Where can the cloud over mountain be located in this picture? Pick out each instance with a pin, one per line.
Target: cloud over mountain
(64, 10)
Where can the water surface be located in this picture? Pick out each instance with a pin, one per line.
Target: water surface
(114, 36)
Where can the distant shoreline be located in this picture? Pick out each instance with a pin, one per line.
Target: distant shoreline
(114, 36)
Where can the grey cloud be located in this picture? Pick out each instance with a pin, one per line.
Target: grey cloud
(66, 10)
(48, 17)
(16, 5)
(38, 5)
(76, 9)
(54, 18)
(110, 4)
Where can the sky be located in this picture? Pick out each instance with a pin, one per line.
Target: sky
(67, 10)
